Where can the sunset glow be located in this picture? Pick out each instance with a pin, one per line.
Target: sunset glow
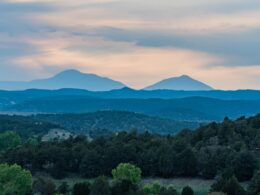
(135, 42)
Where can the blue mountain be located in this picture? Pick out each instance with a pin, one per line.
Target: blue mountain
(183, 82)
(66, 79)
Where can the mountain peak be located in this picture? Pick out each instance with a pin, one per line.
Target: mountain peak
(67, 79)
(71, 71)
(184, 76)
(183, 82)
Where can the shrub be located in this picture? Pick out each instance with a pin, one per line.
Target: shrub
(228, 185)
(254, 186)
(126, 171)
(100, 186)
(44, 186)
(152, 188)
(9, 139)
(157, 189)
(81, 188)
(232, 187)
(124, 187)
(187, 191)
(63, 188)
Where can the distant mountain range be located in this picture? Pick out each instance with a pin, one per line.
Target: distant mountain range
(66, 79)
(8, 98)
(77, 80)
(184, 109)
(180, 83)
(177, 105)
(191, 101)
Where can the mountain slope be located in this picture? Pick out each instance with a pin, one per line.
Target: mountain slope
(66, 79)
(25, 126)
(180, 83)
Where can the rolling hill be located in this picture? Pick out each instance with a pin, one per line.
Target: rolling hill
(115, 121)
(8, 98)
(25, 126)
(93, 124)
(188, 109)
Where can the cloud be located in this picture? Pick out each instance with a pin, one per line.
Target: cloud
(137, 66)
(23, 8)
(138, 42)
(238, 49)
(141, 66)
(158, 17)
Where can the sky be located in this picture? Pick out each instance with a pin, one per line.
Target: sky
(137, 42)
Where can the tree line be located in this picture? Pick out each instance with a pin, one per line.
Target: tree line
(228, 151)
(126, 180)
(206, 152)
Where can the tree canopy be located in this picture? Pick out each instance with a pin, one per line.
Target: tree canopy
(126, 171)
(14, 180)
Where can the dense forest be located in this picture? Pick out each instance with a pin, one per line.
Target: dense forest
(205, 152)
(25, 127)
(115, 121)
(229, 148)
(91, 124)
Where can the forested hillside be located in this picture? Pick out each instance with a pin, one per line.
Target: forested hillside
(24, 126)
(115, 121)
(231, 146)
(91, 124)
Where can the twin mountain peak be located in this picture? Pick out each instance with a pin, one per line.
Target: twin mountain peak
(78, 80)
